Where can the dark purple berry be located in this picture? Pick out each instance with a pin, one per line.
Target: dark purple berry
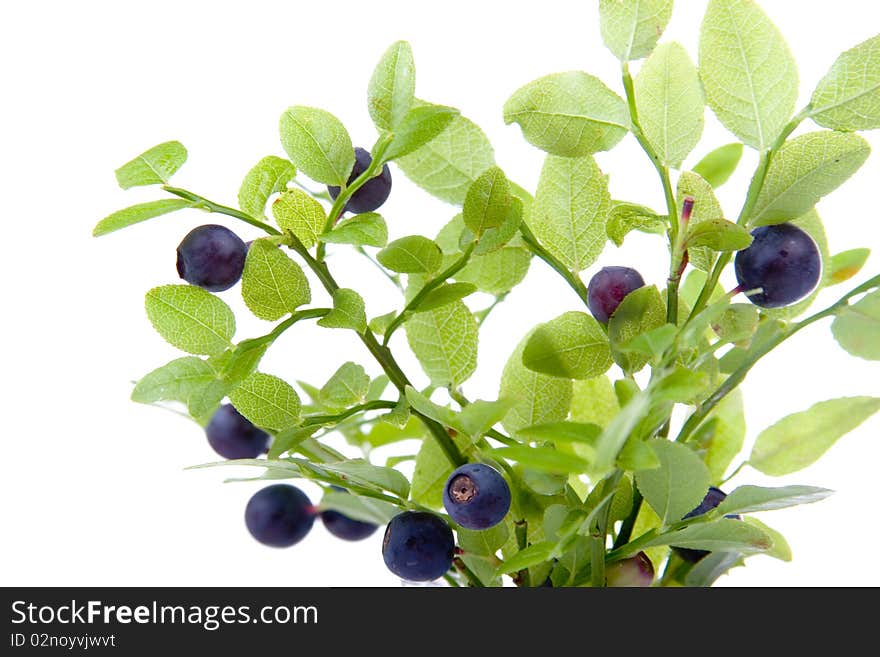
(712, 499)
(608, 288)
(233, 436)
(476, 496)
(279, 515)
(372, 193)
(211, 257)
(418, 546)
(783, 261)
(637, 571)
(341, 526)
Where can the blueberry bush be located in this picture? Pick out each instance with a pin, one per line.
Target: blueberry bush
(577, 474)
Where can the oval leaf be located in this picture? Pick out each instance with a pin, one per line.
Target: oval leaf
(748, 499)
(678, 485)
(191, 319)
(391, 89)
(848, 97)
(631, 28)
(138, 213)
(317, 144)
(572, 346)
(297, 212)
(411, 255)
(718, 166)
(857, 328)
(272, 284)
(267, 401)
(444, 341)
(268, 176)
(152, 167)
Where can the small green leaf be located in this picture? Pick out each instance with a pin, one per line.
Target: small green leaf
(594, 402)
(857, 327)
(804, 170)
(724, 535)
(542, 459)
(712, 566)
(721, 438)
(366, 229)
(571, 114)
(479, 416)
(738, 322)
(572, 346)
(372, 476)
(642, 310)
(358, 507)
(152, 167)
(190, 318)
(380, 324)
(176, 381)
(621, 427)
(495, 238)
(267, 401)
(780, 549)
(347, 387)
(801, 439)
(445, 294)
(848, 97)
(272, 284)
(497, 272)
(419, 126)
(298, 213)
(637, 455)
(678, 485)
(846, 264)
(718, 166)
(488, 200)
(317, 143)
(430, 475)
(390, 94)
(652, 344)
(626, 217)
(204, 401)
(561, 432)
(444, 341)
(680, 385)
(289, 439)
(706, 208)
(718, 235)
(669, 101)
(138, 213)
(528, 557)
(631, 28)
(411, 255)
(348, 312)
(749, 499)
(484, 543)
(268, 176)
(748, 72)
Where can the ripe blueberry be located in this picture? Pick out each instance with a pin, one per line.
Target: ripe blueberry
(211, 257)
(372, 193)
(713, 498)
(783, 261)
(608, 288)
(233, 436)
(279, 515)
(476, 496)
(635, 571)
(341, 526)
(418, 546)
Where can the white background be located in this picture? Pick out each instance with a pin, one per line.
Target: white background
(93, 486)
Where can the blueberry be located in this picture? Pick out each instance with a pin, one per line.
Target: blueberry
(233, 436)
(372, 193)
(636, 571)
(712, 499)
(476, 496)
(211, 257)
(418, 546)
(608, 288)
(279, 515)
(783, 261)
(341, 526)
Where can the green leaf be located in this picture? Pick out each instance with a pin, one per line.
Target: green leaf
(724, 535)
(631, 28)
(422, 404)
(537, 398)
(718, 166)
(392, 86)
(594, 402)
(572, 346)
(138, 213)
(497, 272)
(857, 327)
(152, 167)
(737, 323)
(367, 229)
(430, 475)
(479, 416)
(419, 126)
(289, 439)
(487, 202)
(846, 264)
(358, 507)
(804, 170)
(348, 312)
(678, 485)
(652, 344)
(621, 428)
(780, 549)
(749, 499)
(800, 439)
(485, 542)
(366, 474)
(748, 72)
(411, 255)
(706, 208)
(347, 387)
(718, 235)
(272, 284)
(626, 217)
(380, 324)
(712, 566)
(542, 459)
(175, 381)
(445, 294)
(642, 310)
(267, 401)
(561, 432)
(444, 341)
(569, 114)
(190, 318)
(298, 213)
(448, 164)
(530, 556)
(669, 101)
(571, 209)
(495, 238)
(317, 144)
(848, 97)
(721, 437)
(268, 176)
(680, 385)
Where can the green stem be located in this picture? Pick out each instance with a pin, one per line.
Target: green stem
(481, 315)
(429, 287)
(339, 417)
(271, 336)
(469, 575)
(210, 206)
(570, 277)
(599, 531)
(521, 530)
